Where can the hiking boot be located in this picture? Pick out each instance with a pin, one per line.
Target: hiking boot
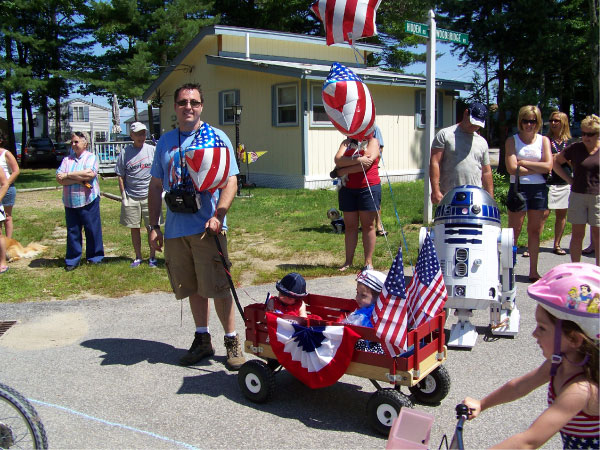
(200, 348)
(235, 356)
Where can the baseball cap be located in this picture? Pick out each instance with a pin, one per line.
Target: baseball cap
(477, 114)
(138, 126)
(293, 285)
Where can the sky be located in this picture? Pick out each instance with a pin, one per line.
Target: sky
(447, 67)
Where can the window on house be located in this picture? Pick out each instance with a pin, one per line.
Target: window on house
(78, 114)
(100, 136)
(421, 109)
(285, 105)
(318, 115)
(227, 99)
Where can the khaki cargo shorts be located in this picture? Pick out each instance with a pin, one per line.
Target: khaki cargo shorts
(194, 266)
(135, 212)
(584, 208)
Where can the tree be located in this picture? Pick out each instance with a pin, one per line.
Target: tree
(533, 48)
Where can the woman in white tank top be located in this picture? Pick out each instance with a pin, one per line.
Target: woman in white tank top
(530, 152)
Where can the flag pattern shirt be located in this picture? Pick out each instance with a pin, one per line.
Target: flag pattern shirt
(426, 291)
(348, 103)
(582, 431)
(347, 20)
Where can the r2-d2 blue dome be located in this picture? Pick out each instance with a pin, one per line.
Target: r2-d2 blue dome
(477, 260)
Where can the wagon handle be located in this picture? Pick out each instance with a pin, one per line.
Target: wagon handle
(231, 286)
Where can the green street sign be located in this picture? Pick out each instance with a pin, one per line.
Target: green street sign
(422, 29)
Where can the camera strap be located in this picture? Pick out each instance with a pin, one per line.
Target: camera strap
(181, 156)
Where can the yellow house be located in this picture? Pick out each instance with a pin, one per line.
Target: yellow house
(277, 77)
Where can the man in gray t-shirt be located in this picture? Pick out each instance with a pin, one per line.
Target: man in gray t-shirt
(460, 156)
(133, 168)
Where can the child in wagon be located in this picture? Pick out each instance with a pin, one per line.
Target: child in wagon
(292, 289)
(368, 286)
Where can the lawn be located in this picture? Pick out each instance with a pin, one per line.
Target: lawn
(272, 232)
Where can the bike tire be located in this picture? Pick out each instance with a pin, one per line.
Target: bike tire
(20, 424)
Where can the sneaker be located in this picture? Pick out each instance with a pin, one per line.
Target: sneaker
(135, 263)
(200, 348)
(235, 356)
(152, 262)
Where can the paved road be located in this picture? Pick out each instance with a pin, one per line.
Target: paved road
(102, 373)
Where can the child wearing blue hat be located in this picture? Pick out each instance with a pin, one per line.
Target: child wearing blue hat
(291, 288)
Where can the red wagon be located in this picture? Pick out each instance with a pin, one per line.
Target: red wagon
(420, 369)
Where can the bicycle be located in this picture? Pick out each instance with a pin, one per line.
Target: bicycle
(20, 424)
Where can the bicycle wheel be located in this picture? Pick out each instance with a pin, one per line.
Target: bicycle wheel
(20, 425)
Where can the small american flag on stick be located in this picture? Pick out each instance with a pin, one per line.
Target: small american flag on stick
(426, 291)
(390, 313)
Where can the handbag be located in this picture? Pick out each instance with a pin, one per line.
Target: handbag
(515, 201)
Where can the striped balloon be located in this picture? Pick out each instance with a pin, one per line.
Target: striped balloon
(208, 160)
(348, 103)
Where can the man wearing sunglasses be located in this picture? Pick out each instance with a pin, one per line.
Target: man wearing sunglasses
(191, 257)
(460, 156)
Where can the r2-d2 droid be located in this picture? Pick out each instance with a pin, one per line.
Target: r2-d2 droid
(477, 261)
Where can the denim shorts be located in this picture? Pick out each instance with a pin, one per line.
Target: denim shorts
(535, 194)
(351, 200)
(11, 195)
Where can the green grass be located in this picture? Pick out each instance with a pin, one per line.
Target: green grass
(273, 232)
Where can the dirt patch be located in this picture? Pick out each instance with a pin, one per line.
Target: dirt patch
(56, 330)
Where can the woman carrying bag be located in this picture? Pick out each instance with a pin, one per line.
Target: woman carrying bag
(529, 153)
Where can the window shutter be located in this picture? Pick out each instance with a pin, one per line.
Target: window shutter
(274, 105)
(86, 113)
(440, 110)
(221, 106)
(418, 109)
(70, 114)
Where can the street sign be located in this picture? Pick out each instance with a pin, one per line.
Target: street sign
(422, 29)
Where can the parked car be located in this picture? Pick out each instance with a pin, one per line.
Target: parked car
(62, 149)
(38, 150)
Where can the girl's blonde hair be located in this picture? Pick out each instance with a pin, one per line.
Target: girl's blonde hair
(565, 132)
(592, 122)
(527, 110)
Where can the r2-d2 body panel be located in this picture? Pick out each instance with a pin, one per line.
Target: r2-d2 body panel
(477, 259)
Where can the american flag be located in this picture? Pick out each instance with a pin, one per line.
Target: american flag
(426, 291)
(390, 313)
(347, 20)
(208, 160)
(348, 102)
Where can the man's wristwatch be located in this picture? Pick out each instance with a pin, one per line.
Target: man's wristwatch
(155, 227)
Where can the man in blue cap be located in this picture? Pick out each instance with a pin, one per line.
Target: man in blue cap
(459, 155)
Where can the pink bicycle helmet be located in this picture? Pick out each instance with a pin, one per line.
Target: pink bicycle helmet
(571, 292)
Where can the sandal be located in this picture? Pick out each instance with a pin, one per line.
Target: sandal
(588, 251)
(4, 269)
(559, 251)
(525, 253)
(344, 267)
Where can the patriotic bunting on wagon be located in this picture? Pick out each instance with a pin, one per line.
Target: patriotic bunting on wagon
(390, 315)
(347, 20)
(317, 356)
(426, 291)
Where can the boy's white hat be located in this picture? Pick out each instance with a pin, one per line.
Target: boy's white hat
(138, 126)
(372, 278)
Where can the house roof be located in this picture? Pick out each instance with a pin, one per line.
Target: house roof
(253, 33)
(143, 115)
(86, 102)
(310, 71)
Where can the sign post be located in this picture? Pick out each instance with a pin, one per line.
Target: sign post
(432, 33)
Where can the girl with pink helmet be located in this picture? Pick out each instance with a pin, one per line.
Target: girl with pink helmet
(568, 333)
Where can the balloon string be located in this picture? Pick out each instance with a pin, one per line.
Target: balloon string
(396, 209)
